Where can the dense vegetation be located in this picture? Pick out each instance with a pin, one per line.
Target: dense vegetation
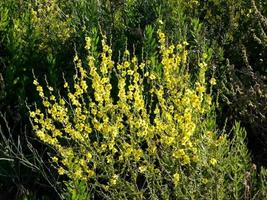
(133, 99)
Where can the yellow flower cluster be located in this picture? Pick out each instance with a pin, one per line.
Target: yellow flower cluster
(101, 132)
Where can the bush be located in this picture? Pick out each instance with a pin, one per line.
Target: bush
(227, 47)
(239, 27)
(156, 139)
(38, 36)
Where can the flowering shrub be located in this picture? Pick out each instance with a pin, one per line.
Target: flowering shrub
(155, 138)
(50, 23)
(148, 118)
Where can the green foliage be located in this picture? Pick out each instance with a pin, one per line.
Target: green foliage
(40, 36)
(77, 190)
(32, 37)
(239, 27)
(262, 193)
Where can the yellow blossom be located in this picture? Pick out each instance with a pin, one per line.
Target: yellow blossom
(185, 43)
(179, 153)
(152, 76)
(88, 43)
(35, 82)
(142, 168)
(213, 161)
(55, 159)
(32, 114)
(61, 171)
(213, 81)
(176, 179)
(185, 160)
(114, 179)
(126, 52)
(66, 85)
(52, 98)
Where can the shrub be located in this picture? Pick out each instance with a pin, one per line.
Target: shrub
(39, 36)
(146, 97)
(157, 139)
(242, 72)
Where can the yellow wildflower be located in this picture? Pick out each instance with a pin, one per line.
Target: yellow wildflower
(213, 81)
(61, 171)
(66, 85)
(55, 159)
(185, 160)
(142, 168)
(114, 179)
(179, 153)
(185, 43)
(213, 161)
(35, 82)
(88, 43)
(32, 114)
(176, 179)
